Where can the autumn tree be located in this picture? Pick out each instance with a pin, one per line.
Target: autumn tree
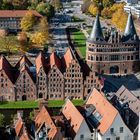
(8, 43)
(23, 41)
(39, 39)
(107, 3)
(28, 21)
(106, 13)
(45, 9)
(93, 9)
(119, 14)
(20, 4)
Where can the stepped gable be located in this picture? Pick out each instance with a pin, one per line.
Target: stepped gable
(6, 66)
(23, 65)
(40, 62)
(23, 61)
(107, 111)
(25, 68)
(52, 60)
(96, 33)
(68, 57)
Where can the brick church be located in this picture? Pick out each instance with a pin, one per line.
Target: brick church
(113, 53)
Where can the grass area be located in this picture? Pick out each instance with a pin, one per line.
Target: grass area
(77, 19)
(80, 41)
(60, 103)
(19, 105)
(35, 104)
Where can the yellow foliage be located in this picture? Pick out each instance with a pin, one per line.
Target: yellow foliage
(93, 9)
(39, 38)
(119, 19)
(117, 6)
(106, 13)
(27, 21)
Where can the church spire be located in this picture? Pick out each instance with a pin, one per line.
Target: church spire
(130, 31)
(96, 33)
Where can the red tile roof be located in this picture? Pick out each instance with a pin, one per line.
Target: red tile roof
(73, 116)
(17, 13)
(6, 66)
(44, 117)
(24, 137)
(68, 57)
(104, 108)
(126, 96)
(18, 126)
(54, 60)
(40, 62)
(23, 60)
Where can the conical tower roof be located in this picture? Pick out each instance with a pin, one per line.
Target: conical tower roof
(130, 31)
(96, 33)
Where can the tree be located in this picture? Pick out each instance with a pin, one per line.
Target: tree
(8, 43)
(106, 13)
(2, 121)
(107, 3)
(23, 41)
(39, 38)
(7, 5)
(31, 116)
(56, 4)
(119, 14)
(20, 4)
(45, 9)
(44, 27)
(28, 21)
(93, 9)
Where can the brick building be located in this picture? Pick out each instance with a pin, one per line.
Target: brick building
(10, 19)
(50, 78)
(25, 82)
(113, 53)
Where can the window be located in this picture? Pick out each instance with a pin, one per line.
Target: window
(111, 130)
(117, 138)
(82, 137)
(121, 129)
(107, 138)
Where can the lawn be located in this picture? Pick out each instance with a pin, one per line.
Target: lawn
(35, 104)
(80, 41)
(60, 103)
(19, 105)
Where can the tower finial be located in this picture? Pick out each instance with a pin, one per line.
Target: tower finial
(130, 30)
(96, 33)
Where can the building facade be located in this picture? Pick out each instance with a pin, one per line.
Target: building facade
(113, 53)
(10, 19)
(49, 78)
(105, 119)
